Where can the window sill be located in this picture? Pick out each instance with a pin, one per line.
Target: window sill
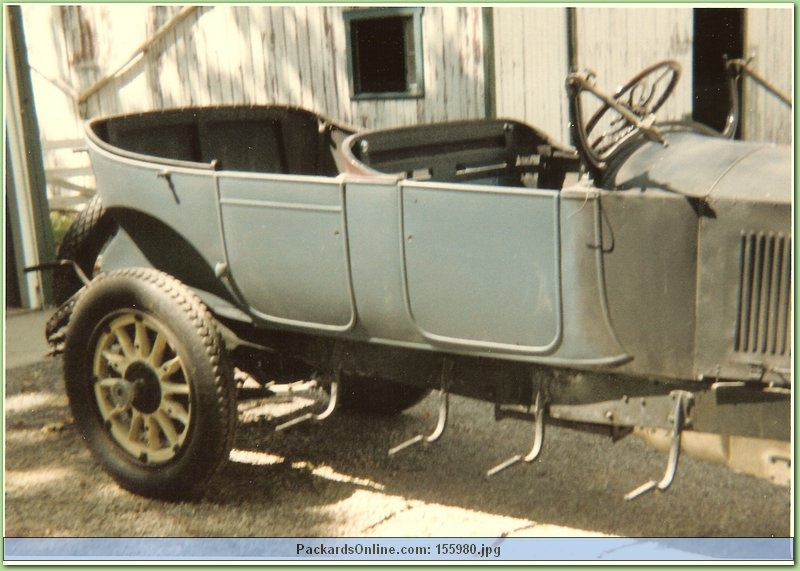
(388, 95)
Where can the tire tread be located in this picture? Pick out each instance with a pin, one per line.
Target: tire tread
(195, 311)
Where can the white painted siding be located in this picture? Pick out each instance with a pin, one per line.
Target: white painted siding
(531, 57)
(531, 63)
(618, 42)
(769, 39)
(452, 39)
(297, 55)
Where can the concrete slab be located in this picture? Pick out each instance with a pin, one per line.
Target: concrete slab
(23, 337)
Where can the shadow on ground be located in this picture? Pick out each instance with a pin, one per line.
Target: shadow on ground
(335, 478)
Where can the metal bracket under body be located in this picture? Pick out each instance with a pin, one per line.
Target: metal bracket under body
(332, 402)
(682, 401)
(538, 439)
(441, 423)
(58, 264)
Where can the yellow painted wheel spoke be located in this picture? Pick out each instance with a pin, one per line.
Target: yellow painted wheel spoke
(166, 427)
(142, 340)
(153, 434)
(125, 342)
(116, 361)
(157, 350)
(175, 410)
(169, 368)
(116, 411)
(132, 352)
(108, 382)
(168, 388)
(137, 422)
(104, 404)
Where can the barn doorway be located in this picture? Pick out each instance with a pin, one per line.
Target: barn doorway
(718, 32)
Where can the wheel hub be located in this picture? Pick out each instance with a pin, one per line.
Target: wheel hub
(121, 393)
(142, 383)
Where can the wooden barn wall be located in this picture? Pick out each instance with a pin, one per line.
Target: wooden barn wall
(70, 47)
(769, 40)
(265, 54)
(618, 42)
(532, 58)
(55, 83)
(531, 63)
(297, 55)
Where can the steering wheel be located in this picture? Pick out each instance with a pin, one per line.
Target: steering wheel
(643, 94)
(634, 106)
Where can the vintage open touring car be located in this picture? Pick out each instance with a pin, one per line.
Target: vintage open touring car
(643, 279)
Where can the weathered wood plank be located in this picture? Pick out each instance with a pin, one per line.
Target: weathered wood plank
(207, 92)
(618, 42)
(770, 42)
(256, 18)
(531, 65)
(297, 55)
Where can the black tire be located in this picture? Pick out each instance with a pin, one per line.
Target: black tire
(373, 396)
(83, 243)
(149, 383)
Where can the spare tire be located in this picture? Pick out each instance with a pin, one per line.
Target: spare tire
(83, 243)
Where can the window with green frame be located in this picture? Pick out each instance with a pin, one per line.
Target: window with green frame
(384, 52)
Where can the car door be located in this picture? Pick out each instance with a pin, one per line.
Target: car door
(481, 265)
(286, 246)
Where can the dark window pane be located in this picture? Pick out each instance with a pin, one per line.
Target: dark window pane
(380, 55)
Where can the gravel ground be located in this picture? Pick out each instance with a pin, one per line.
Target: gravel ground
(335, 479)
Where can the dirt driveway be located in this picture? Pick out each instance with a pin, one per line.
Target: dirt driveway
(335, 479)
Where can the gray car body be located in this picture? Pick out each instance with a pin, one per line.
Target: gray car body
(677, 267)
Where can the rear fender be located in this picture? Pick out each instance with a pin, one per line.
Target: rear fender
(142, 241)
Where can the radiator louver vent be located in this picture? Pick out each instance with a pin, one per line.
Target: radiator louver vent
(764, 294)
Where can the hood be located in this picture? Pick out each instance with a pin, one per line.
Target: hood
(700, 166)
